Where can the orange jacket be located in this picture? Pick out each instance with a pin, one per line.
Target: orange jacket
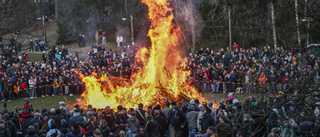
(262, 79)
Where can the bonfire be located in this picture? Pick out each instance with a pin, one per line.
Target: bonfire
(162, 75)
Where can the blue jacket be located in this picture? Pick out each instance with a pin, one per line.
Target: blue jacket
(170, 116)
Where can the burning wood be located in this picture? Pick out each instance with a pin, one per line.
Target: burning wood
(162, 75)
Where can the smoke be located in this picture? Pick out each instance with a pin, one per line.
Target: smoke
(189, 18)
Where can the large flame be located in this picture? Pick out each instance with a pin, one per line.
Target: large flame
(161, 76)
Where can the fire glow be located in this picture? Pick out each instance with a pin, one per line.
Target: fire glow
(161, 76)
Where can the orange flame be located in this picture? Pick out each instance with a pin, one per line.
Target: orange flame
(160, 78)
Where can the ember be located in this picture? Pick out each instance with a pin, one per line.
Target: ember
(162, 75)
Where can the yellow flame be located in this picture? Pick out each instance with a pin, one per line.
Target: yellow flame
(161, 63)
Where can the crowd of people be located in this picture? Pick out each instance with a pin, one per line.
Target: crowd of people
(253, 70)
(235, 70)
(233, 118)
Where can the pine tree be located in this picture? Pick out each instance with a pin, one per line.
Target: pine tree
(63, 34)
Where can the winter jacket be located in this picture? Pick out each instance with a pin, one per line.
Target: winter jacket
(110, 120)
(134, 124)
(106, 131)
(118, 129)
(11, 126)
(192, 119)
(179, 120)
(142, 118)
(273, 118)
(76, 118)
(153, 129)
(75, 133)
(207, 120)
(31, 133)
(164, 125)
(5, 132)
(35, 120)
(142, 135)
(53, 131)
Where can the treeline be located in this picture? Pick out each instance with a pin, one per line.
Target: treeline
(251, 23)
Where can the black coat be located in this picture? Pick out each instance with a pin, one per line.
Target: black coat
(153, 129)
(179, 120)
(207, 120)
(34, 120)
(163, 123)
(141, 119)
(11, 126)
(5, 132)
(110, 120)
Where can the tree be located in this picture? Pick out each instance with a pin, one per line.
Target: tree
(63, 34)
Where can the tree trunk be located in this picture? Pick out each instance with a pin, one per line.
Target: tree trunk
(297, 21)
(56, 14)
(273, 27)
(230, 36)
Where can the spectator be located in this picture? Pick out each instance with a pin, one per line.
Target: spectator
(36, 119)
(192, 116)
(134, 123)
(140, 115)
(141, 133)
(163, 123)
(152, 127)
(75, 131)
(76, 118)
(53, 131)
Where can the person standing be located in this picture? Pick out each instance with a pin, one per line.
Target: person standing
(83, 41)
(31, 45)
(163, 123)
(235, 46)
(32, 82)
(4, 131)
(80, 40)
(100, 36)
(192, 116)
(134, 124)
(97, 37)
(44, 56)
(179, 122)
(152, 127)
(104, 38)
(140, 115)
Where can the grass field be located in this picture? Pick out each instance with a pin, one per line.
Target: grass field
(53, 102)
(39, 103)
(34, 57)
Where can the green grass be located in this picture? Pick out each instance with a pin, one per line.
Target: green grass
(39, 103)
(34, 57)
(53, 102)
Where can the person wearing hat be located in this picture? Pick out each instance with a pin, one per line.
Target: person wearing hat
(192, 116)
